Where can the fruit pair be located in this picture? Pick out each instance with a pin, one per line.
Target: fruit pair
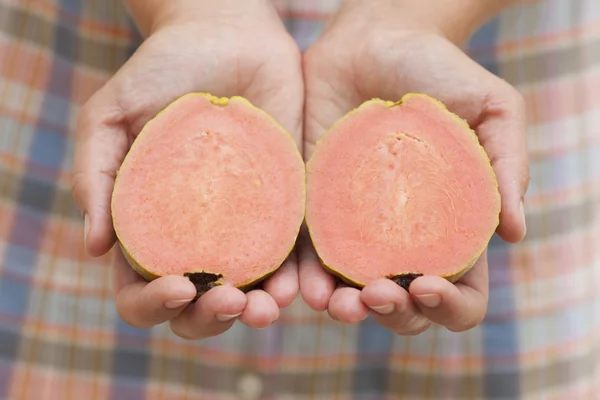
(216, 190)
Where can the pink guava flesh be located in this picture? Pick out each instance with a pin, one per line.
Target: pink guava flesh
(210, 188)
(400, 189)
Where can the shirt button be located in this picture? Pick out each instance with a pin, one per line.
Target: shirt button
(249, 387)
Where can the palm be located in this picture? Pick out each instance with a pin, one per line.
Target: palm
(159, 72)
(388, 64)
(264, 67)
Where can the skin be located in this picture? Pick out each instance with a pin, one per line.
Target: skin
(233, 47)
(398, 47)
(237, 47)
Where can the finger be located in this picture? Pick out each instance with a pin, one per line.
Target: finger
(316, 284)
(283, 286)
(279, 90)
(503, 135)
(459, 306)
(143, 304)
(100, 147)
(345, 306)
(329, 95)
(214, 313)
(393, 308)
(123, 273)
(261, 310)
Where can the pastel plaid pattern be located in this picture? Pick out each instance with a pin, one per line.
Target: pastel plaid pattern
(61, 338)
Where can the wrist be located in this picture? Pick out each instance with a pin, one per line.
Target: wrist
(151, 15)
(457, 20)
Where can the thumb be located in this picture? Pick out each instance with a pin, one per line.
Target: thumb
(503, 135)
(101, 143)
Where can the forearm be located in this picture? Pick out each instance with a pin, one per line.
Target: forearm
(149, 14)
(455, 19)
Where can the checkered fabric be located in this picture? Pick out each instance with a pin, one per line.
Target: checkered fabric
(61, 338)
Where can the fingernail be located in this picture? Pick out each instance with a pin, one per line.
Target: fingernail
(227, 317)
(429, 300)
(385, 309)
(176, 303)
(86, 228)
(522, 209)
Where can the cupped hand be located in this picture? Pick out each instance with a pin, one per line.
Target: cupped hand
(362, 55)
(243, 50)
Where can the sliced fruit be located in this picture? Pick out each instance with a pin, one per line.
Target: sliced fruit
(212, 189)
(398, 190)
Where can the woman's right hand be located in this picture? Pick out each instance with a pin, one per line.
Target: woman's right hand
(235, 47)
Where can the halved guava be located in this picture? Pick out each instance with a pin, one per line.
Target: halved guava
(212, 189)
(398, 190)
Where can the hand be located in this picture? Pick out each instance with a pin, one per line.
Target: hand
(368, 52)
(238, 47)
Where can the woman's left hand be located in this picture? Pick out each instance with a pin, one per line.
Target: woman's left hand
(368, 52)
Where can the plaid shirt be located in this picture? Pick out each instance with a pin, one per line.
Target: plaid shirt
(60, 335)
